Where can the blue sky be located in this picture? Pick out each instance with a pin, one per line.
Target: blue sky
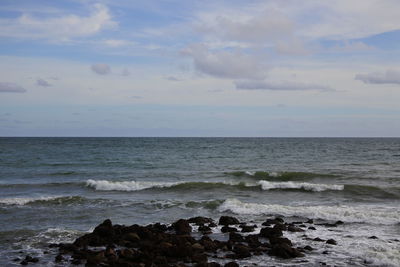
(200, 68)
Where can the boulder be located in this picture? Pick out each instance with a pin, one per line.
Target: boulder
(228, 220)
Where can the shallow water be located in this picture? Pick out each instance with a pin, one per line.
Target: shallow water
(53, 189)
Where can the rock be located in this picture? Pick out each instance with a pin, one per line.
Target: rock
(59, 258)
(133, 237)
(339, 222)
(284, 251)
(318, 239)
(29, 259)
(212, 224)
(241, 251)
(199, 258)
(182, 227)
(312, 228)
(228, 220)
(231, 264)
(205, 229)
(279, 240)
(277, 220)
(248, 228)
(311, 221)
(105, 229)
(253, 241)
(198, 247)
(235, 237)
(292, 228)
(373, 237)
(331, 242)
(226, 229)
(309, 248)
(270, 232)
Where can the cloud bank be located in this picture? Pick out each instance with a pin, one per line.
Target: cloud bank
(283, 86)
(388, 77)
(11, 88)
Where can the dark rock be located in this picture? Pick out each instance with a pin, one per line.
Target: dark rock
(270, 232)
(205, 229)
(331, 242)
(212, 224)
(373, 237)
(253, 241)
(309, 248)
(273, 221)
(241, 251)
(248, 228)
(228, 220)
(59, 258)
(339, 222)
(235, 237)
(292, 228)
(231, 264)
(199, 258)
(312, 228)
(279, 240)
(226, 229)
(311, 221)
(182, 227)
(284, 251)
(318, 239)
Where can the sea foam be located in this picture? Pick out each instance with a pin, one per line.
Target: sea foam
(369, 214)
(26, 200)
(266, 185)
(104, 185)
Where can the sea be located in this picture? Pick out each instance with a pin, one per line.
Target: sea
(53, 190)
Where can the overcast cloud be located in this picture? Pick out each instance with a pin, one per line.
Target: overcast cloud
(11, 88)
(388, 77)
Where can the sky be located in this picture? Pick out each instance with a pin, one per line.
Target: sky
(239, 68)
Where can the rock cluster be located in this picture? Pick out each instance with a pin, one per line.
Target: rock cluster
(176, 245)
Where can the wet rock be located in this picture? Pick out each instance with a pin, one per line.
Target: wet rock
(331, 242)
(339, 222)
(279, 240)
(312, 228)
(59, 258)
(197, 247)
(292, 228)
(212, 224)
(284, 251)
(318, 239)
(252, 241)
(270, 232)
(277, 220)
(29, 259)
(132, 237)
(227, 229)
(205, 229)
(248, 228)
(235, 237)
(182, 227)
(373, 237)
(309, 248)
(228, 220)
(241, 251)
(311, 221)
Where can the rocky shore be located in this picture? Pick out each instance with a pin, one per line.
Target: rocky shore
(198, 241)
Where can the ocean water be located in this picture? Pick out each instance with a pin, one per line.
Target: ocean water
(55, 189)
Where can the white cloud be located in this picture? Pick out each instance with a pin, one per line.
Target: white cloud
(101, 68)
(42, 82)
(226, 64)
(263, 26)
(11, 88)
(117, 42)
(388, 77)
(58, 28)
(283, 86)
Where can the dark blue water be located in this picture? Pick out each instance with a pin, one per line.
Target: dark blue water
(53, 189)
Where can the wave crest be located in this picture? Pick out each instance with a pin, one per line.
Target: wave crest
(266, 185)
(360, 214)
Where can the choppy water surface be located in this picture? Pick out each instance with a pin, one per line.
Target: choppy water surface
(53, 189)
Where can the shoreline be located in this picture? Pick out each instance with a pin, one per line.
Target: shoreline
(197, 241)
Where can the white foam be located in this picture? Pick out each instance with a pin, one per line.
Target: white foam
(266, 185)
(369, 214)
(25, 200)
(104, 185)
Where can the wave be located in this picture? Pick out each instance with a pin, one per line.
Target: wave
(41, 184)
(283, 176)
(21, 201)
(356, 214)
(266, 185)
(104, 185)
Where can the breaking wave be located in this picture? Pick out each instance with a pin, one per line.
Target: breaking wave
(359, 214)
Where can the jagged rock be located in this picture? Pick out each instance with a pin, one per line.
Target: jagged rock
(182, 227)
(248, 228)
(270, 232)
(284, 251)
(241, 251)
(235, 237)
(292, 228)
(200, 220)
(228, 220)
(331, 242)
(227, 229)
